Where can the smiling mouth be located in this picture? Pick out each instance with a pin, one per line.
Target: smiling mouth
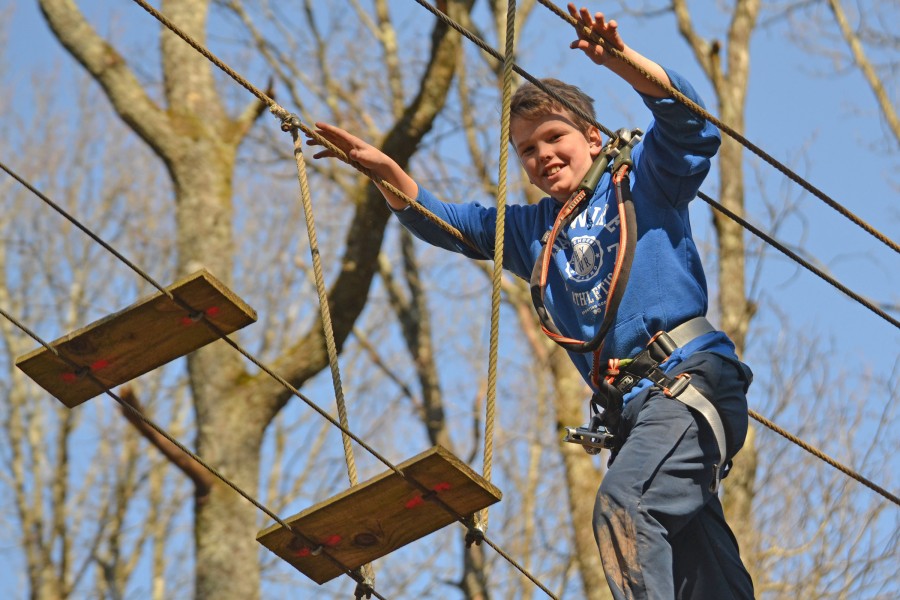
(552, 171)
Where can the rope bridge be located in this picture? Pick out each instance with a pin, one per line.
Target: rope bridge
(203, 300)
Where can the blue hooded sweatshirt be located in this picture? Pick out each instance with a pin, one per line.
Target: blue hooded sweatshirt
(667, 285)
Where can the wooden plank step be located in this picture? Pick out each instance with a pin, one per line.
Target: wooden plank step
(375, 518)
(138, 339)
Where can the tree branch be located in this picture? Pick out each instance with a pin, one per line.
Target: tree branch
(701, 48)
(203, 479)
(349, 292)
(868, 71)
(251, 113)
(109, 69)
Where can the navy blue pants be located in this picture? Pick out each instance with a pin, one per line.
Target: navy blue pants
(661, 532)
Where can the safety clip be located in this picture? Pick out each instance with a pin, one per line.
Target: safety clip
(593, 436)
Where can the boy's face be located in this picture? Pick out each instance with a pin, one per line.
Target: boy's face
(556, 154)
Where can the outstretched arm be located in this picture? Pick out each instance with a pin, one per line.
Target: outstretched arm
(380, 164)
(609, 31)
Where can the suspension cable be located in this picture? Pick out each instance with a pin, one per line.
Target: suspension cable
(798, 259)
(731, 132)
(202, 317)
(138, 414)
(824, 457)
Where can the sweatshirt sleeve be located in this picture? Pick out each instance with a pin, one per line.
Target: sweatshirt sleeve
(477, 224)
(675, 154)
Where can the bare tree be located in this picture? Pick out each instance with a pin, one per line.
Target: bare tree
(841, 537)
(197, 139)
(75, 478)
(865, 65)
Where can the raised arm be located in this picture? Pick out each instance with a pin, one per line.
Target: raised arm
(609, 31)
(380, 164)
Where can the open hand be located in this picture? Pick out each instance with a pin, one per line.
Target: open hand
(356, 149)
(382, 168)
(607, 30)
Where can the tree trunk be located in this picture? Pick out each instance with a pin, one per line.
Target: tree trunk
(735, 308)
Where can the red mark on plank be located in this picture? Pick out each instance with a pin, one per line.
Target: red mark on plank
(331, 542)
(414, 502)
(417, 500)
(82, 371)
(212, 311)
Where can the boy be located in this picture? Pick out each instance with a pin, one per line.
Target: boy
(658, 522)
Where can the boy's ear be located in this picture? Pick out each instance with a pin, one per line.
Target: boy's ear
(595, 141)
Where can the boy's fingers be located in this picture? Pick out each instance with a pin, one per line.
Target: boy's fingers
(582, 15)
(581, 44)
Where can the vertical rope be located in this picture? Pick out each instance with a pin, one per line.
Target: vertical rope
(499, 236)
(327, 326)
(366, 570)
(328, 329)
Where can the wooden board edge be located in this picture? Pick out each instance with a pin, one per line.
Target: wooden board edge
(468, 471)
(222, 289)
(465, 469)
(199, 274)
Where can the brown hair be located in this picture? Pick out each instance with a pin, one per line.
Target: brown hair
(531, 102)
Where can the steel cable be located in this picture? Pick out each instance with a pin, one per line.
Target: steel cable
(699, 110)
(202, 317)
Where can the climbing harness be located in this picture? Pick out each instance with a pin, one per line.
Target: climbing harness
(594, 435)
(622, 374)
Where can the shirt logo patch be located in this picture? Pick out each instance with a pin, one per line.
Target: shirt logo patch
(587, 257)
